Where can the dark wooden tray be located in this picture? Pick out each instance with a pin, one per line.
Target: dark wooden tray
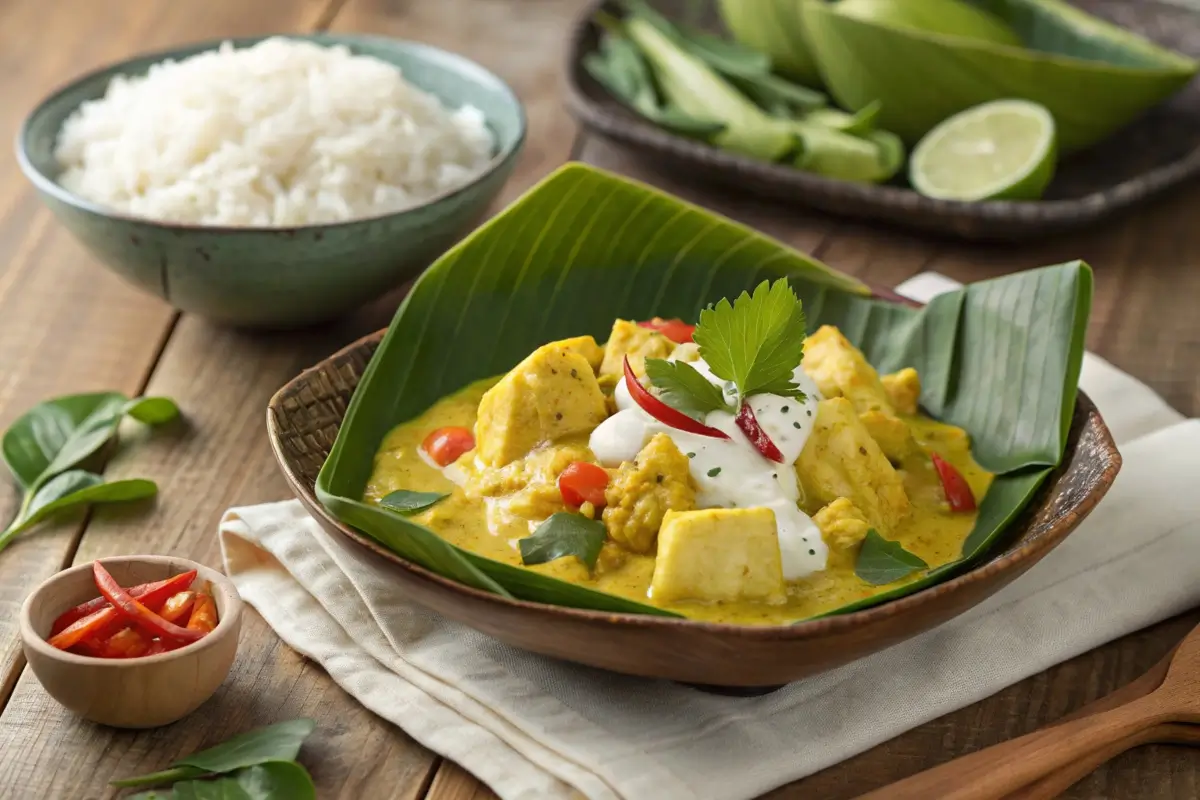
(1159, 151)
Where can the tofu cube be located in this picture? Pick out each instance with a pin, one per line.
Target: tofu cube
(719, 555)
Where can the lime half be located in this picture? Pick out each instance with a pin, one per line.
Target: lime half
(1003, 150)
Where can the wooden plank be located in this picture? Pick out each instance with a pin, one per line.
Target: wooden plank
(70, 324)
(221, 458)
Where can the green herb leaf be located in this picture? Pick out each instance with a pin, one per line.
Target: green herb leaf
(408, 503)
(564, 534)
(757, 341)
(882, 561)
(273, 743)
(58, 434)
(684, 389)
(73, 490)
(271, 780)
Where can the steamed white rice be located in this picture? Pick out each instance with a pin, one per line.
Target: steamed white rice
(283, 133)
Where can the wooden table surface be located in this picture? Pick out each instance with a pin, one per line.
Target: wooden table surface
(69, 326)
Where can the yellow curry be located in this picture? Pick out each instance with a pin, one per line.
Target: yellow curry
(753, 517)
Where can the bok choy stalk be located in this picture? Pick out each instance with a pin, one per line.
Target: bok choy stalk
(695, 76)
(688, 83)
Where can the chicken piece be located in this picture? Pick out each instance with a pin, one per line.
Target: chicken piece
(528, 485)
(719, 555)
(892, 434)
(644, 490)
(841, 459)
(840, 370)
(903, 390)
(688, 351)
(586, 346)
(630, 339)
(843, 527)
(551, 394)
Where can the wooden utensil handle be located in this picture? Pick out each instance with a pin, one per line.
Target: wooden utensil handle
(1064, 778)
(994, 772)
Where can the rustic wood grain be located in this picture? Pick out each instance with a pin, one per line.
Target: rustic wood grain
(69, 324)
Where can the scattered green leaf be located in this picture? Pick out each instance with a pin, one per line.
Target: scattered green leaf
(564, 534)
(271, 743)
(408, 503)
(882, 561)
(44, 445)
(271, 780)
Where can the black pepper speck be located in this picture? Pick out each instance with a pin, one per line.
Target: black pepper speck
(812, 552)
(714, 472)
(796, 425)
(691, 455)
(783, 410)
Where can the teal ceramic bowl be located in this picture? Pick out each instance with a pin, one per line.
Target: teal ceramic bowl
(281, 277)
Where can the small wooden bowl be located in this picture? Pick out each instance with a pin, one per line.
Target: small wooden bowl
(137, 692)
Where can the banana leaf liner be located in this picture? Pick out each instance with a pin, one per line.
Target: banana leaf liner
(1000, 358)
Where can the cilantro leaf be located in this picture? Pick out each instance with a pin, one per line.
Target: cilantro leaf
(684, 389)
(757, 341)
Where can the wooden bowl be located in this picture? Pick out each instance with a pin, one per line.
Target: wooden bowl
(303, 419)
(137, 692)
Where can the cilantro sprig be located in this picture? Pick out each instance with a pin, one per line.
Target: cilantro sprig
(754, 343)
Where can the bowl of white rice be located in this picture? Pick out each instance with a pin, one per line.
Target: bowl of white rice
(277, 181)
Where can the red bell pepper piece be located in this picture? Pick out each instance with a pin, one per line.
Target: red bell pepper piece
(748, 424)
(146, 592)
(958, 492)
(137, 613)
(583, 482)
(100, 625)
(663, 412)
(177, 607)
(676, 330)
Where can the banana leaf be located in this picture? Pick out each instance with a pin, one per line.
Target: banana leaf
(1093, 76)
(774, 27)
(584, 247)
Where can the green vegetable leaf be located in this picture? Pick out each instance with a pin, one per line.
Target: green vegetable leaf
(273, 743)
(725, 56)
(58, 434)
(408, 503)
(857, 124)
(684, 389)
(757, 341)
(564, 534)
(70, 490)
(271, 780)
(882, 561)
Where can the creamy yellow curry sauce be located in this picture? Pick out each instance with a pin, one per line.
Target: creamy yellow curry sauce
(866, 445)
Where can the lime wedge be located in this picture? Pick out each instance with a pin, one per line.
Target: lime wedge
(1002, 150)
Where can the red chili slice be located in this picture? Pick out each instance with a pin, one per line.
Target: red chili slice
(137, 613)
(958, 492)
(676, 330)
(663, 412)
(748, 424)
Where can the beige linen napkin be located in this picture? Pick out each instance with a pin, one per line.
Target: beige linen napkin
(531, 727)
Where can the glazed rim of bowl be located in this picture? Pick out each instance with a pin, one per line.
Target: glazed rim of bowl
(810, 628)
(50, 186)
(38, 642)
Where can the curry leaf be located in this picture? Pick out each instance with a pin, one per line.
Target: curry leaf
(278, 742)
(71, 490)
(882, 561)
(564, 534)
(402, 501)
(271, 780)
(684, 389)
